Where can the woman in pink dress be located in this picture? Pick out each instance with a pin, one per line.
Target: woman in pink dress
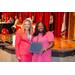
(22, 42)
(41, 35)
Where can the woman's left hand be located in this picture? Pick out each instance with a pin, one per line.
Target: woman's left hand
(42, 51)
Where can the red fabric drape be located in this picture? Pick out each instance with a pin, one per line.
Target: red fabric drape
(55, 23)
(27, 14)
(58, 20)
(34, 17)
(59, 26)
(43, 17)
(46, 19)
(23, 16)
(30, 15)
(20, 17)
(37, 15)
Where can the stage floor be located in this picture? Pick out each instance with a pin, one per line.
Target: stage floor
(62, 46)
(59, 42)
(63, 43)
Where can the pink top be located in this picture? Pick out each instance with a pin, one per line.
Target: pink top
(46, 56)
(22, 44)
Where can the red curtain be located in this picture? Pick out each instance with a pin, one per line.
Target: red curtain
(58, 20)
(30, 15)
(43, 17)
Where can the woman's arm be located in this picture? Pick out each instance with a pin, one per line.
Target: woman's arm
(17, 43)
(48, 47)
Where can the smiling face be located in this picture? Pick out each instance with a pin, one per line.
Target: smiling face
(15, 17)
(40, 27)
(27, 25)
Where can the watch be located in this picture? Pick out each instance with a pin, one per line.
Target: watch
(45, 49)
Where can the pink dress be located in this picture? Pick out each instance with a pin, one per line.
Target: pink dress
(46, 56)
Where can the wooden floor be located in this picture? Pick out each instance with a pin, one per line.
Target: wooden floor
(63, 43)
(59, 43)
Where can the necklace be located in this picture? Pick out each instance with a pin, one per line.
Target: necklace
(39, 36)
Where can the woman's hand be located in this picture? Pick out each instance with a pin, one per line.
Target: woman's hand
(49, 47)
(18, 58)
(42, 51)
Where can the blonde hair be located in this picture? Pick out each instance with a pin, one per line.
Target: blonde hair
(24, 29)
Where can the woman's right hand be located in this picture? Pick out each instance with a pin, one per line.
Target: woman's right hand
(18, 58)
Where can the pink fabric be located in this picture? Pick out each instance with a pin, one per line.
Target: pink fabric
(46, 56)
(26, 58)
(22, 45)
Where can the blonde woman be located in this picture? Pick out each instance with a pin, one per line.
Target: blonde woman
(22, 42)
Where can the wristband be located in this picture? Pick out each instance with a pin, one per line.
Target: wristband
(45, 49)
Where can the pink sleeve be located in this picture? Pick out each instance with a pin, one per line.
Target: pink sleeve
(17, 43)
(50, 36)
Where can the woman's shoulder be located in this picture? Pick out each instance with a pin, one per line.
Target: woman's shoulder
(49, 32)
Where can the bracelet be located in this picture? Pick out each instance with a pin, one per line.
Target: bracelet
(45, 49)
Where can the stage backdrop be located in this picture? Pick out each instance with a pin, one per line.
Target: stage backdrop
(43, 17)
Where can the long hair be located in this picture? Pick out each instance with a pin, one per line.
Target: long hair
(24, 29)
(37, 31)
